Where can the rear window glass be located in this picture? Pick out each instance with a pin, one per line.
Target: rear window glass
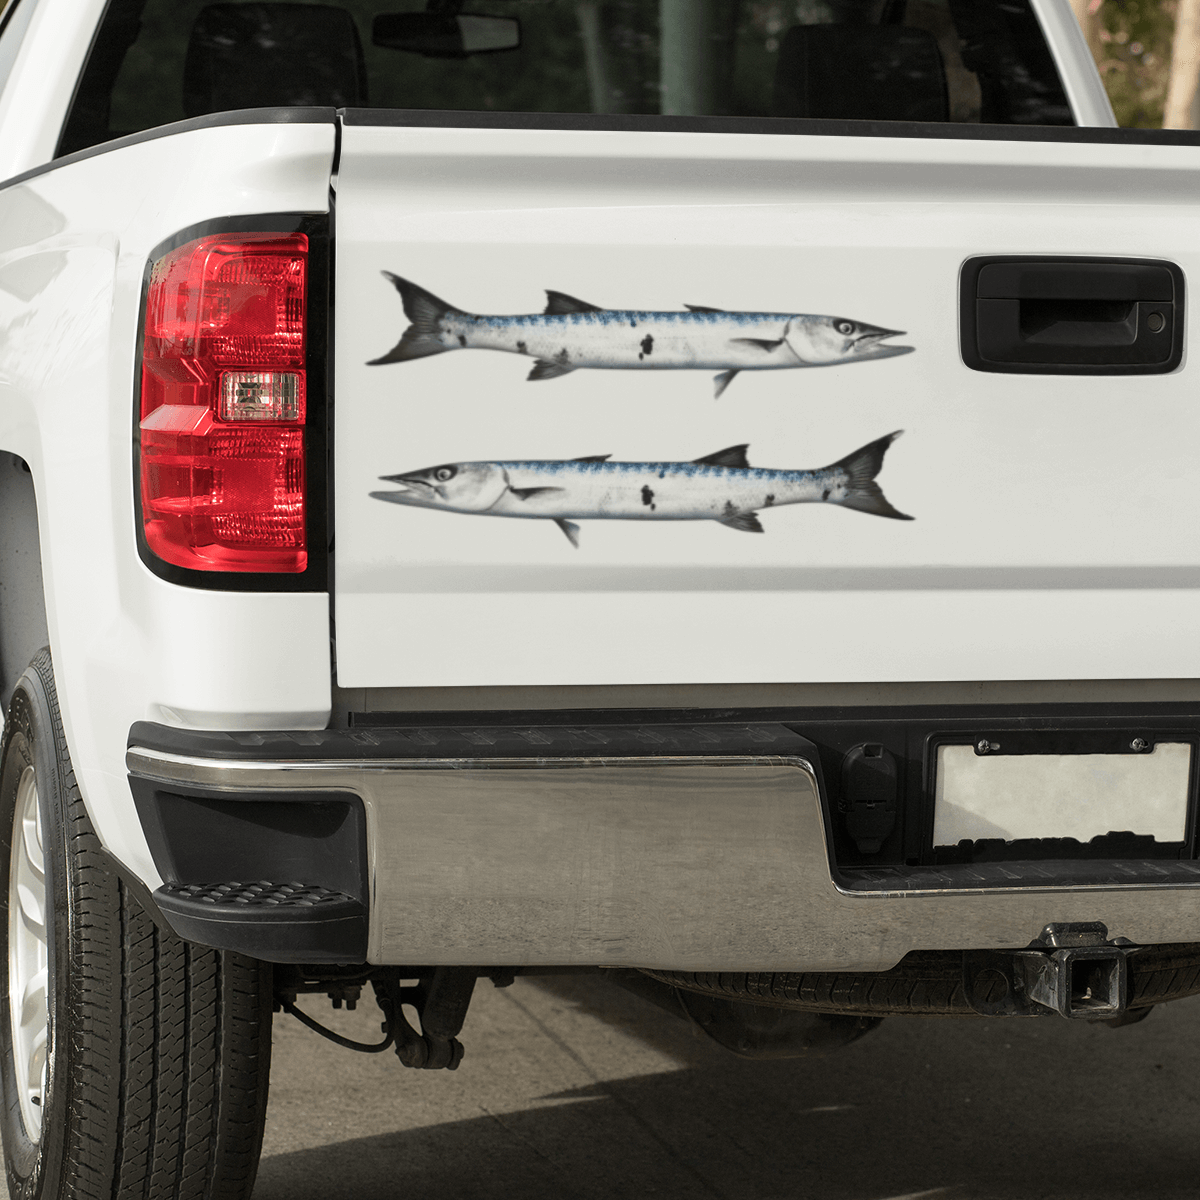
(969, 61)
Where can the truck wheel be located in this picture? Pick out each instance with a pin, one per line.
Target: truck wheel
(132, 1064)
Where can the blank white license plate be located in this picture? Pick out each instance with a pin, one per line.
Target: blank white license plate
(1079, 796)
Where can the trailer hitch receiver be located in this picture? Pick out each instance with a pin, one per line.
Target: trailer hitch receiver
(1073, 970)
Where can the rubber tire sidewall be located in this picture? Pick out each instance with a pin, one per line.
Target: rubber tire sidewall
(32, 734)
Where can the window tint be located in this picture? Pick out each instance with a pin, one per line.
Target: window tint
(156, 61)
(14, 20)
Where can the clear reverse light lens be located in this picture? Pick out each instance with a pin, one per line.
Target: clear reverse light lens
(260, 396)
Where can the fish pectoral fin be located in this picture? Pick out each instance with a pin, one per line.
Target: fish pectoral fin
(743, 523)
(559, 304)
(545, 369)
(701, 308)
(570, 529)
(592, 458)
(722, 381)
(525, 493)
(761, 343)
(731, 456)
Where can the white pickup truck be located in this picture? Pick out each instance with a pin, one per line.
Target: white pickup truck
(333, 656)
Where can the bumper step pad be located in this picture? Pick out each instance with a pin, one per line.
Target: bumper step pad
(279, 922)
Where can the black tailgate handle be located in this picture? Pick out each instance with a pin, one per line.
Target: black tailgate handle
(1072, 316)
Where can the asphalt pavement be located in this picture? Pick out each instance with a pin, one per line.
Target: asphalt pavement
(571, 1087)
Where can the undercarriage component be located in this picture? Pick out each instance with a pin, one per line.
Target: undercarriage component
(440, 995)
(940, 983)
(750, 1030)
(441, 1000)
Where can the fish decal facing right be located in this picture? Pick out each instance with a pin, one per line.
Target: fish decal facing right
(720, 487)
(572, 333)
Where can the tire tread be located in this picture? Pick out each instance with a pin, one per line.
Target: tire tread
(167, 1052)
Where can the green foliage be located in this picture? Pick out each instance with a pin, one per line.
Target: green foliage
(1136, 59)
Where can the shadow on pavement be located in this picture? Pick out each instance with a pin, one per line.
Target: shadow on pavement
(1010, 1110)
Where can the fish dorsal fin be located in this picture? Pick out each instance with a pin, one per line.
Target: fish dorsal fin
(731, 456)
(701, 308)
(592, 458)
(559, 304)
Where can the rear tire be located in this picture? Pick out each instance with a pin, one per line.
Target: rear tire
(153, 1080)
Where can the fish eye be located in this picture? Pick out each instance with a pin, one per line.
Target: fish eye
(845, 327)
(442, 474)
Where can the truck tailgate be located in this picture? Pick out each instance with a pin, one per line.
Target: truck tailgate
(1053, 531)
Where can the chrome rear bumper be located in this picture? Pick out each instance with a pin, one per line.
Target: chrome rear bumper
(686, 862)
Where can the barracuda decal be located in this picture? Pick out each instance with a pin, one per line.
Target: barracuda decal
(572, 333)
(720, 487)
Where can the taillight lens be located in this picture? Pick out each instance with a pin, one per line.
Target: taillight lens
(223, 400)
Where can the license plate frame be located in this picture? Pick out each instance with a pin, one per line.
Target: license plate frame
(1012, 794)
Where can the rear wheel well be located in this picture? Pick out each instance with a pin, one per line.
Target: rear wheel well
(23, 630)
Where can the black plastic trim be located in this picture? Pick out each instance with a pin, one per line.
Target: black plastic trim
(200, 836)
(1051, 873)
(783, 126)
(458, 736)
(243, 116)
(300, 936)
(328, 478)
(968, 317)
(317, 439)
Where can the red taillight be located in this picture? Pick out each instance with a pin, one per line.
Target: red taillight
(223, 395)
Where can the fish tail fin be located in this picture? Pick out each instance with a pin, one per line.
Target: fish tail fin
(423, 337)
(861, 467)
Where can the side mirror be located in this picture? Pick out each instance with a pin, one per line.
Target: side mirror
(440, 35)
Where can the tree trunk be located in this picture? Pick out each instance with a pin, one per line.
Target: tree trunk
(688, 33)
(698, 42)
(591, 30)
(1180, 110)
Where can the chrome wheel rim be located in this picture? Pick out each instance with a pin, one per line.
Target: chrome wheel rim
(28, 955)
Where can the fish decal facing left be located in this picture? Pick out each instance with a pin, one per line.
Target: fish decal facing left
(720, 487)
(572, 333)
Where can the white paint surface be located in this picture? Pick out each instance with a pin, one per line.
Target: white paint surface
(1047, 507)
(127, 645)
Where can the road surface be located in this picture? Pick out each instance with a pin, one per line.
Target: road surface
(573, 1088)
